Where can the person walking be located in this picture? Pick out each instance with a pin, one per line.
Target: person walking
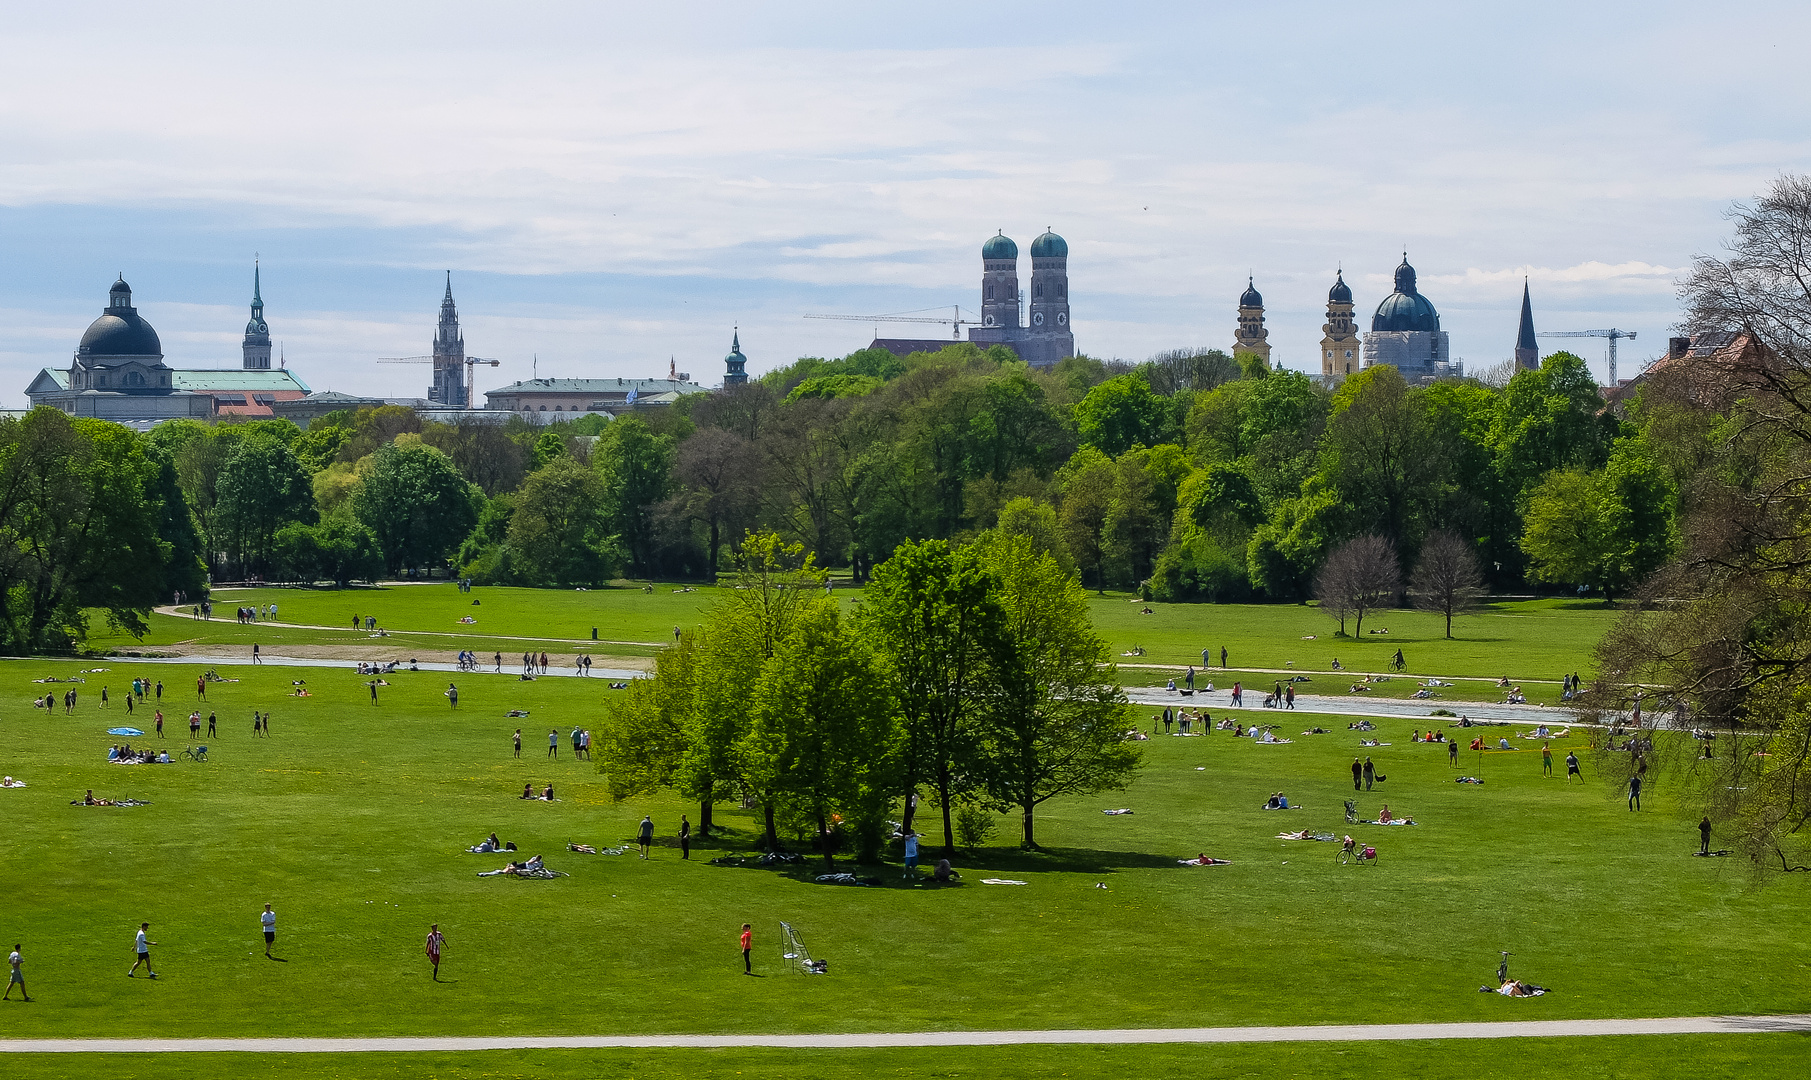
(1238, 695)
(17, 978)
(518, 741)
(498, 661)
(160, 691)
(1189, 679)
(685, 837)
(452, 696)
(1572, 767)
(1546, 759)
(201, 687)
(553, 744)
(645, 838)
(141, 945)
(747, 940)
(268, 920)
(435, 941)
(1289, 696)
(257, 658)
(1358, 773)
(160, 723)
(1222, 657)
(1634, 793)
(104, 697)
(1370, 773)
(1703, 842)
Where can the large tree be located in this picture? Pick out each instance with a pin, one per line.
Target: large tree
(417, 503)
(1053, 722)
(1360, 576)
(262, 487)
(1446, 579)
(636, 467)
(559, 531)
(931, 614)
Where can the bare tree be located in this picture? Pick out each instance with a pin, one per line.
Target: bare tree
(719, 476)
(1447, 579)
(1360, 576)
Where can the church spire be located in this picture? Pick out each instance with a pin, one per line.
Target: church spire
(1527, 353)
(255, 349)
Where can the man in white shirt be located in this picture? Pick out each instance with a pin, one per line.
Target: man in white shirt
(142, 945)
(269, 919)
(17, 978)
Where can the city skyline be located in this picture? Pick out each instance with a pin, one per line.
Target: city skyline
(608, 200)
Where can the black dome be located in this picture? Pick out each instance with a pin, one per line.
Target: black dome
(1251, 297)
(124, 334)
(1340, 293)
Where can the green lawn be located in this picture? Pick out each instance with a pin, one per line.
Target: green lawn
(351, 820)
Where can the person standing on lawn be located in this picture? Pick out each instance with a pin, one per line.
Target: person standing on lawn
(685, 837)
(1572, 767)
(645, 838)
(17, 978)
(1222, 657)
(1704, 836)
(268, 919)
(518, 742)
(141, 945)
(1452, 754)
(747, 940)
(553, 744)
(1358, 773)
(1546, 759)
(1634, 793)
(435, 941)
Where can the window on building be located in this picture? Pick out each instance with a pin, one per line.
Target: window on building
(1037, 290)
(543, 408)
(990, 291)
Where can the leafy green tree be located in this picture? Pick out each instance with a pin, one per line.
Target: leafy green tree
(1376, 454)
(1605, 530)
(930, 614)
(636, 466)
(320, 445)
(1037, 521)
(416, 503)
(646, 734)
(261, 488)
(338, 549)
(1285, 550)
(823, 739)
(1054, 720)
(1087, 483)
(558, 533)
(1551, 418)
(1122, 413)
(184, 570)
(547, 447)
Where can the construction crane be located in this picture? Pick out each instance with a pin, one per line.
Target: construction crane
(955, 322)
(470, 362)
(1613, 334)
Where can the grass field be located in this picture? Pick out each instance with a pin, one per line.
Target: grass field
(351, 820)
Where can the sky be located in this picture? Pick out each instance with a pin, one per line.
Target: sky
(616, 186)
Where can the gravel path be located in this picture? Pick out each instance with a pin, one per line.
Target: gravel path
(1505, 1029)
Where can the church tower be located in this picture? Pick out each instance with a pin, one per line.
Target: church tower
(256, 347)
(1000, 283)
(1251, 336)
(449, 355)
(1049, 284)
(1341, 351)
(734, 363)
(1527, 353)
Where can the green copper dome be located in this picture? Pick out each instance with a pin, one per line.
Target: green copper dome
(1405, 309)
(1048, 246)
(999, 247)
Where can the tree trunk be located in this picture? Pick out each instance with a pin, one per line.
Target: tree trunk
(823, 840)
(704, 813)
(943, 794)
(1449, 622)
(1030, 842)
(710, 572)
(911, 808)
(773, 839)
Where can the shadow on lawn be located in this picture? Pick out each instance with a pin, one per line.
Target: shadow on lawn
(971, 864)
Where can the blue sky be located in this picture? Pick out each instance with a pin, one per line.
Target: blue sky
(614, 185)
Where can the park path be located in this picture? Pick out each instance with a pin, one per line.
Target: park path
(1500, 1029)
(1394, 708)
(278, 624)
(273, 660)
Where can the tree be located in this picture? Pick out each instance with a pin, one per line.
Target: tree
(485, 453)
(1446, 578)
(338, 549)
(635, 465)
(1376, 455)
(558, 533)
(1053, 724)
(1087, 482)
(262, 487)
(1027, 517)
(647, 731)
(823, 738)
(416, 503)
(1360, 576)
(1122, 413)
(931, 616)
(718, 473)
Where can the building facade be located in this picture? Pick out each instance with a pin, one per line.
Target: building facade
(547, 399)
(1342, 353)
(118, 372)
(1251, 337)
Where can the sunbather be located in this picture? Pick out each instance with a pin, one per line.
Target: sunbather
(1203, 860)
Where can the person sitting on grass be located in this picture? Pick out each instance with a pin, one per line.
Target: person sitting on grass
(547, 795)
(1384, 817)
(527, 791)
(943, 875)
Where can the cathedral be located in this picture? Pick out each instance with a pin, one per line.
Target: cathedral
(1048, 337)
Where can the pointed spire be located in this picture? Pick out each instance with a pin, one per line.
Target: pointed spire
(449, 288)
(1527, 352)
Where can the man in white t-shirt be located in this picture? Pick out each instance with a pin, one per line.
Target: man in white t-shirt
(15, 961)
(142, 946)
(269, 919)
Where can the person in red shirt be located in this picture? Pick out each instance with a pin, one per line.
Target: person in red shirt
(748, 936)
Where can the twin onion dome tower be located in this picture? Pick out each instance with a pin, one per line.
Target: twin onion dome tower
(1046, 336)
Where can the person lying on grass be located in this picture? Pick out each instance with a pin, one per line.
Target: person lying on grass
(1203, 860)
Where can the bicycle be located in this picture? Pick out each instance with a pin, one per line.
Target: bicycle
(198, 753)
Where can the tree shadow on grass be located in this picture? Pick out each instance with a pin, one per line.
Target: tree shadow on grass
(971, 864)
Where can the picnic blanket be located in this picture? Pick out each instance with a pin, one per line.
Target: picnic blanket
(1000, 881)
(542, 874)
(124, 731)
(845, 879)
(1298, 836)
(1116, 813)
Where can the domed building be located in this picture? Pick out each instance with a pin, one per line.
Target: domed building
(118, 371)
(1405, 332)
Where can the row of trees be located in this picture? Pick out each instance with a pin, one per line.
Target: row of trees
(970, 672)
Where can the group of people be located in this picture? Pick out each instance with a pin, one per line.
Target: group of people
(533, 665)
(255, 613)
(1182, 719)
(544, 796)
(469, 660)
(123, 754)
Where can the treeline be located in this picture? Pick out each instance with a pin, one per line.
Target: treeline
(972, 673)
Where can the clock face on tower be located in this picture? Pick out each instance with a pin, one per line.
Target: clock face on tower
(1037, 319)
(1062, 318)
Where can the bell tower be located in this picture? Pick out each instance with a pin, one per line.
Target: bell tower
(1341, 351)
(255, 349)
(1251, 337)
(1049, 284)
(1000, 284)
(449, 355)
